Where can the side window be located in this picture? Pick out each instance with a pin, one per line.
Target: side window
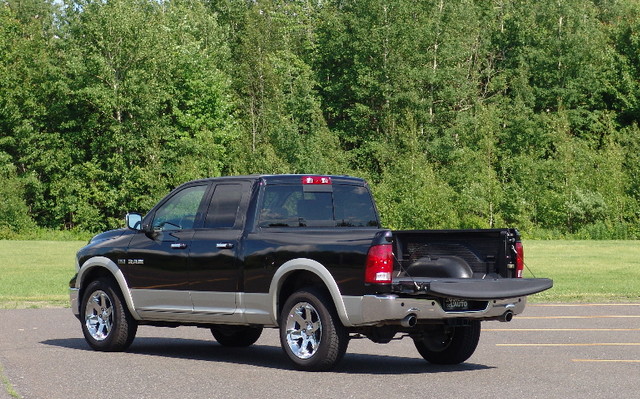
(223, 209)
(279, 206)
(179, 212)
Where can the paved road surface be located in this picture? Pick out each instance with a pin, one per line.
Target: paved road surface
(551, 351)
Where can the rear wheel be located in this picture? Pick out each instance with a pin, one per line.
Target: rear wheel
(449, 345)
(107, 324)
(236, 336)
(311, 333)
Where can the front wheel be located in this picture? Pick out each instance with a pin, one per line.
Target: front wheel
(449, 345)
(107, 324)
(311, 333)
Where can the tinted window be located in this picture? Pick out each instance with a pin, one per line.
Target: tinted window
(354, 207)
(179, 212)
(224, 206)
(291, 206)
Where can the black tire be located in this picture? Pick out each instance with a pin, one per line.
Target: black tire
(107, 324)
(236, 336)
(311, 333)
(449, 345)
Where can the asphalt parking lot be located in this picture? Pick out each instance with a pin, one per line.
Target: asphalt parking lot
(550, 351)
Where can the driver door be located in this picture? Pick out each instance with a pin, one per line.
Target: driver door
(157, 261)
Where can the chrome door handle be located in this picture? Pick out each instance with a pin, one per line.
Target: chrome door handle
(224, 245)
(179, 245)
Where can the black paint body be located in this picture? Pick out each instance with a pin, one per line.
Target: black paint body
(241, 255)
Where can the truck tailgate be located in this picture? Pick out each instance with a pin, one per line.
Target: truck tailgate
(471, 288)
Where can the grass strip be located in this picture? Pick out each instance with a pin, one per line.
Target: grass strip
(7, 384)
(585, 271)
(35, 274)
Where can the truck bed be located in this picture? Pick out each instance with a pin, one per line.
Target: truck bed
(465, 264)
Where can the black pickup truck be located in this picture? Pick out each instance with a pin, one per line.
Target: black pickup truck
(305, 254)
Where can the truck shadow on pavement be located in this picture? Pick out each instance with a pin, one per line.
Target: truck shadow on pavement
(269, 356)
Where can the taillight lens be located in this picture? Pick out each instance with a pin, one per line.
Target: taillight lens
(519, 259)
(379, 265)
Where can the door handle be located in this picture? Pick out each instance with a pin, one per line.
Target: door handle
(224, 245)
(179, 245)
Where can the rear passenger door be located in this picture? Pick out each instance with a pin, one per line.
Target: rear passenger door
(213, 264)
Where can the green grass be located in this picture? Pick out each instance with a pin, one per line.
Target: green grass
(586, 271)
(36, 274)
(7, 384)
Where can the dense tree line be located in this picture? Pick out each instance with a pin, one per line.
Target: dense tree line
(460, 114)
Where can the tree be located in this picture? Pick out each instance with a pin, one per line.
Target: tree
(14, 213)
(284, 130)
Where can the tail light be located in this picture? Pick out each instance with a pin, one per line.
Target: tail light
(379, 265)
(519, 259)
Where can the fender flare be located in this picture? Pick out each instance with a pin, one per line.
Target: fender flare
(312, 266)
(114, 270)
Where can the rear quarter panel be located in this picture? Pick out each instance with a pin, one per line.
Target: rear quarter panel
(341, 251)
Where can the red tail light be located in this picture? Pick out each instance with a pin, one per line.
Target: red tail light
(379, 265)
(519, 259)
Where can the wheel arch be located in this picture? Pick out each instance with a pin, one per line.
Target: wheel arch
(100, 266)
(302, 272)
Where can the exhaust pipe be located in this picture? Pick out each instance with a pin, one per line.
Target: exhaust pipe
(409, 320)
(506, 317)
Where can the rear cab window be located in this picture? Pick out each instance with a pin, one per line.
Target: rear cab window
(319, 203)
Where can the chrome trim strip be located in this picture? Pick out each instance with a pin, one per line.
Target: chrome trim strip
(256, 309)
(251, 309)
(75, 302)
(150, 300)
(213, 302)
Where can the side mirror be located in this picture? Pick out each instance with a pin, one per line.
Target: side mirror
(134, 221)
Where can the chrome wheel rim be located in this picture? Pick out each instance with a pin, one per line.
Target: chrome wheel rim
(304, 330)
(98, 315)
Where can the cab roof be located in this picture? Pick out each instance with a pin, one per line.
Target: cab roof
(293, 179)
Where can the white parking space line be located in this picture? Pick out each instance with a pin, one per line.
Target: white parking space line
(580, 344)
(579, 317)
(604, 361)
(577, 305)
(617, 320)
(560, 329)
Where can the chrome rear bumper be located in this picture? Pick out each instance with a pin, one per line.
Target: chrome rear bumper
(392, 309)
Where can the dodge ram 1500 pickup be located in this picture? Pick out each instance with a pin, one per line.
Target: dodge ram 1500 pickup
(302, 253)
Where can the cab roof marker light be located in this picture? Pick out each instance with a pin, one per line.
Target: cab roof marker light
(316, 180)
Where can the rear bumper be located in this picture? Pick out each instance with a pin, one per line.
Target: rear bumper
(392, 309)
(421, 299)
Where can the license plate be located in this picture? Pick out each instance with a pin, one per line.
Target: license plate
(455, 304)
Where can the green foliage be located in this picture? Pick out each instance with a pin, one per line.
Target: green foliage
(467, 114)
(14, 213)
(284, 130)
